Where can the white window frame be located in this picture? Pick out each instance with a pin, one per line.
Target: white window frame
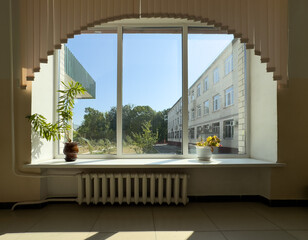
(229, 96)
(199, 111)
(216, 103)
(206, 84)
(185, 100)
(229, 64)
(206, 107)
(199, 90)
(216, 75)
(192, 95)
(228, 124)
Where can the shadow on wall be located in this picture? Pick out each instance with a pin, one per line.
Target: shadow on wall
(37, 144)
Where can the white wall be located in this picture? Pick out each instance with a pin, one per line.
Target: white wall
(263, 111)
(43, 103)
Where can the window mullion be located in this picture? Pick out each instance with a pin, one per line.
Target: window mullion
(185, 90)
(119, 89)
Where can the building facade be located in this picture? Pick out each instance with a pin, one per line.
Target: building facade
(216, 103)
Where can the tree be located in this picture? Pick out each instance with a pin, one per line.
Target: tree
(144, 142)
(160, 125)
(95, 125)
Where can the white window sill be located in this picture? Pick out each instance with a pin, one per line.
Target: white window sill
(153, 163)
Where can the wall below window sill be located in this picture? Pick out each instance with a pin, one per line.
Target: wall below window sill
(153, 163)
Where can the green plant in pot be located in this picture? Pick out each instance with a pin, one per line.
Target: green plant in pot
(62, 127)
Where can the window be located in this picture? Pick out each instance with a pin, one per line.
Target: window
(228, 129)
(206, 84)
(193, 114)
(216, 103)
(199, 90)
(206, 105)
(192, 95)
(199, 132)
(229, 64)
(199, 111)
(147, 93)
(206, 129)
(216, 75)
(229, 96)
(216, 129)
(192, 133)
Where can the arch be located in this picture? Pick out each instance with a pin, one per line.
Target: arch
(262, 25)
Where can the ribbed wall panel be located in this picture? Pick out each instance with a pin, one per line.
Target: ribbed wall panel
(45, 24)
(126, 188)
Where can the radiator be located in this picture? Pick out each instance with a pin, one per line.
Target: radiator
(132, 188)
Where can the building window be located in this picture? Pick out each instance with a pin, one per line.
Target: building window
(228, 129)
(216, 75)
(193, 114)
(199, 131)
(229, 64)
(192, 133)
(216, 129)
(216, 103)
(199, 111)
(229, 99)
(206, 84)
(206, 129)
(206, 105)
(192, 95)
(199, 90)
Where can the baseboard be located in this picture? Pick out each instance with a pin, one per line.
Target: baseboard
(250, 198)
(226, 198)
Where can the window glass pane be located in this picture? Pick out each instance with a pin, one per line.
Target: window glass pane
(211, 63)
(152, 91)
(216, 75)
(91, 60)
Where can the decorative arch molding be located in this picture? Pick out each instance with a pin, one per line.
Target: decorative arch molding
(262, 25)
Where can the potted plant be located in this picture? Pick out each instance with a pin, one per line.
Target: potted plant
(205, 148)
(62, 127)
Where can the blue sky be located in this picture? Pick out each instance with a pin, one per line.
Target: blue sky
(152, 71)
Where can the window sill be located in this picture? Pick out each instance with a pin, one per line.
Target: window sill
(154, 163)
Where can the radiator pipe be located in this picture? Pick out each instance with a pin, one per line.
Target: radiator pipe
(44, 201)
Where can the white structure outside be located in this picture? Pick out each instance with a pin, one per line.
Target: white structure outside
(216, 103)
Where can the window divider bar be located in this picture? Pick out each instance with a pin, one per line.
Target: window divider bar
(119, 89)
(185, 90)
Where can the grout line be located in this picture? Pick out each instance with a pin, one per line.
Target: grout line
(152, 212)
(37, 222)
(211, 220)
(261, 215)
(98, 216)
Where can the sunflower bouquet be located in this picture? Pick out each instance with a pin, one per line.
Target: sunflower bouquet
(210, 142)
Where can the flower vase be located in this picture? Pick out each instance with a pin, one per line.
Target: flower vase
(70, 150)
(204, 153)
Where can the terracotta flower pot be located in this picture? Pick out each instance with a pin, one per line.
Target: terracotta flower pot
(70, 150)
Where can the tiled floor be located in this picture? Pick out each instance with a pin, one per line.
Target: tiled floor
(213, 221)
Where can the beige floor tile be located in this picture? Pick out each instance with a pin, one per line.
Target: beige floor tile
(234, 216)
(181, 218)
(288, 218)
(300, 235)
(66, 218)
(188, 235)
(125, 218)
(19, 221)
(258, 235)
(140, 235)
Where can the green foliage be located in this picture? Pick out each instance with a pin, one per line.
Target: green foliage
(144, 142)
(64, 109)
